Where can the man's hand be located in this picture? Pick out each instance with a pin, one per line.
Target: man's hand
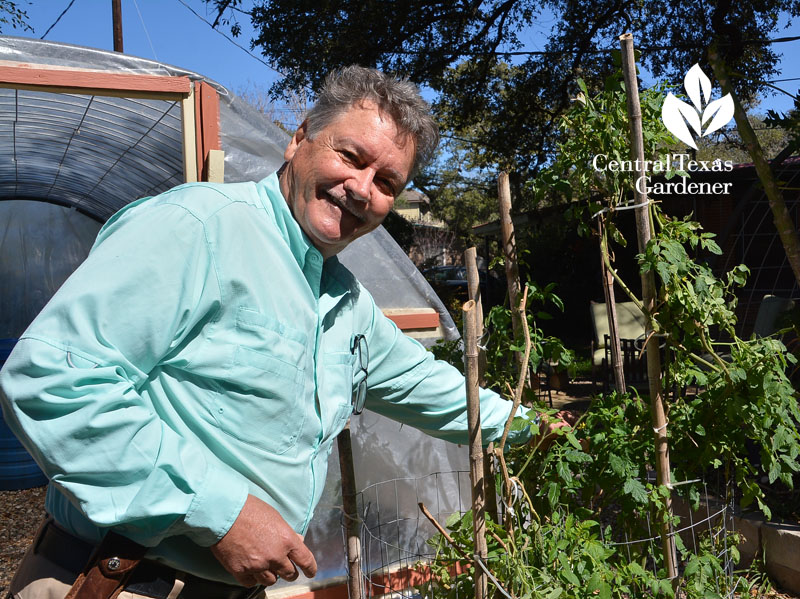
(261, 546)
(549, 425)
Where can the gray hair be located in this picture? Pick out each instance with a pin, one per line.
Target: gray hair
(399, 98)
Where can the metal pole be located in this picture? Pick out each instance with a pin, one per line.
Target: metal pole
(648, 292)
(475, 448)
(350, 505)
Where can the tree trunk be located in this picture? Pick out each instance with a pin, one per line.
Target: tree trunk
(787, 230)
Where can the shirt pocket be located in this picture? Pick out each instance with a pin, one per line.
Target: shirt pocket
(264, 404)
(336, 392)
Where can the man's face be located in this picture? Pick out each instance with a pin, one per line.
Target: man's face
(342, 184)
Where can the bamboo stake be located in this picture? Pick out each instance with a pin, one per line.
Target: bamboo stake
(611, 314)
(648, 291)
(475, 448)
(350, 513)
(474, 293)
(510, 253)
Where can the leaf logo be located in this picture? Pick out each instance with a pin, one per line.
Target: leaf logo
(676, 114)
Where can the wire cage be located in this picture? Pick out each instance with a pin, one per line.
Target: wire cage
(396, 554)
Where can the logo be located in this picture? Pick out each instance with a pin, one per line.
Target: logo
(676, 114)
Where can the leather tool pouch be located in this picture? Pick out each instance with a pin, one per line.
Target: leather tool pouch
(109, 568)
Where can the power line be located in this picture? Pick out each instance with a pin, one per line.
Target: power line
(149, 41)
(63, 12)
(599, 50)
(230, 39)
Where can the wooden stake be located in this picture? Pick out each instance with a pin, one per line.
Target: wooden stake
(648, 292)
(474, 293)
(510, 254)
(350, 505)
(475, 447)
(611, 315)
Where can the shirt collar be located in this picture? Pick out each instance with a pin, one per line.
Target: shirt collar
(307, 256)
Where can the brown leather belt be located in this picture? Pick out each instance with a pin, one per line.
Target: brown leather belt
(149, 578)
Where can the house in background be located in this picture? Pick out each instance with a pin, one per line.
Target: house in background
(432, 241)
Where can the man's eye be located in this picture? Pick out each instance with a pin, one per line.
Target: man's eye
(386, 186)
(349, 156)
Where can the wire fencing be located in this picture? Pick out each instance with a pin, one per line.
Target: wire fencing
(397, 557)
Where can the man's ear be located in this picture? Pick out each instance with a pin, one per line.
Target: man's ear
(299, 136)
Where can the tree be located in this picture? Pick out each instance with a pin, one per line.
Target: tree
(727, 144)
(491, 89)
(503, 100)
(12, 14)
(287, 114)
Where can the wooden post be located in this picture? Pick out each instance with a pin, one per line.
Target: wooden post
(215, 166)
(611, 315)
(116, 17)
(189, 137)
(648, 292)
(510, 254)
(475, 448)
(350, 505)
(474, 293)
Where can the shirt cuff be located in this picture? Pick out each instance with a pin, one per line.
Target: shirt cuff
(214, 510)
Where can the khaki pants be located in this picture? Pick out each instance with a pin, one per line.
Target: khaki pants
(39, 578)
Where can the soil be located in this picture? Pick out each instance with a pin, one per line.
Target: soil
(21, 513)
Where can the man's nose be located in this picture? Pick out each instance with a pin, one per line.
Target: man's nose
(359, 184)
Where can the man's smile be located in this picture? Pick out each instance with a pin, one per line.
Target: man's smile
(341, 202)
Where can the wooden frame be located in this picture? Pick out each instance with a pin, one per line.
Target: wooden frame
(413, 319)
(199, 109)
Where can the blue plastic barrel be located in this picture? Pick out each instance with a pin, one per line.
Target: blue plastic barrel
(17, 468)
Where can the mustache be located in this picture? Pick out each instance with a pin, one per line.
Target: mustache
(342, 200)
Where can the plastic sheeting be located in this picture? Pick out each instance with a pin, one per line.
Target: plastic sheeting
(40, 245)
(98, 154)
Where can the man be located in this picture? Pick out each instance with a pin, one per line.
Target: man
(184, 387)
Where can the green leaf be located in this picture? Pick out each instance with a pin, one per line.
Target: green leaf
(452, 520)
(553, 493)
(566, 570)
(573, 441)
(635, 489)
(520, 423)
(617, 464)
(563, 471)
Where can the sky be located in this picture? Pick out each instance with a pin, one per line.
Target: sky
(168, 31)
(163, 30)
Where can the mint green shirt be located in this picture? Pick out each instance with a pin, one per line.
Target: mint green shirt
(201, 353)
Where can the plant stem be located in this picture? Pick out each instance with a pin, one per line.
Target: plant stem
(707, 346)
(617, 279)
(523, 371)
